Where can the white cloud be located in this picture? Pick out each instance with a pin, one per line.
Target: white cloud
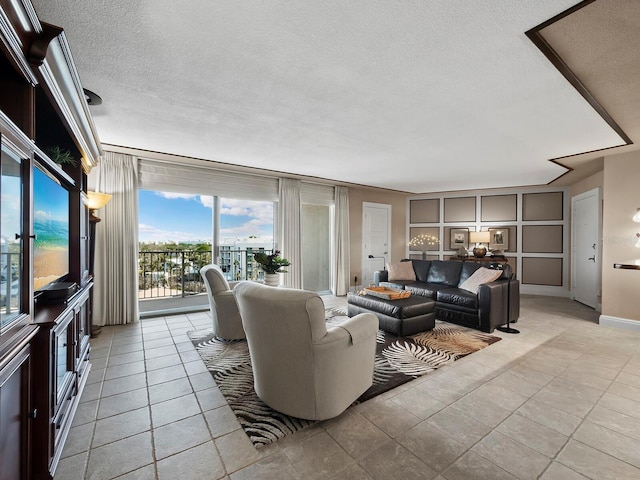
(149, 233)
(261, 213)
(206, 200)
(172, 195)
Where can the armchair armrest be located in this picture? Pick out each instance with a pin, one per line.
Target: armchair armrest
(357, 329)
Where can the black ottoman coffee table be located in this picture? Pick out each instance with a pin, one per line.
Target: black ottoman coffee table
(402, 317)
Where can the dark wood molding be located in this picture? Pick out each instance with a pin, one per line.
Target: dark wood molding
(539, 41)
(40, 44)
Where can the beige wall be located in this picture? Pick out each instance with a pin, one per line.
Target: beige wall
(398, 202)
(594, 181)
(620, 288)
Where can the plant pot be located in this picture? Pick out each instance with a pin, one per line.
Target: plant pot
(272, 279)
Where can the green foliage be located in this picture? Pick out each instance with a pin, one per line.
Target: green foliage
(61, 157)
(271, 263)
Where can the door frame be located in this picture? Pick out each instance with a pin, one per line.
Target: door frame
(597, 192)
(365, 254)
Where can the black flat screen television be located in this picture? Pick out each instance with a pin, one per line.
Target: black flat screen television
(51, 227)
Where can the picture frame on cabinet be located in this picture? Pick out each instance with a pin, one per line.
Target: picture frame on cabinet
(499, 239)
(459, 238)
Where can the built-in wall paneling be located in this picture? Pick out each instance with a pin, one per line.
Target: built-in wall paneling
(499, 208)
(424, 211)
(542, 206)
(531, 222)
(542, 239)
(542, 271)
(459, 209)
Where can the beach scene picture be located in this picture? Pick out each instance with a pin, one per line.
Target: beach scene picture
(51, 227)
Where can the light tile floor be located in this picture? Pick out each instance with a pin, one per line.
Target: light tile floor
(559, 401)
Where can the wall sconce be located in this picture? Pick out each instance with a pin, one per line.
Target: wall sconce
(638, 242)
(636, 217)
(95, 201)
(478, 238)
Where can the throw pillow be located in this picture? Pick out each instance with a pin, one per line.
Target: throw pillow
(480, 276)
(401, 271)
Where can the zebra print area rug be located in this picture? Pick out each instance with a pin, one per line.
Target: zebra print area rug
(398, 360)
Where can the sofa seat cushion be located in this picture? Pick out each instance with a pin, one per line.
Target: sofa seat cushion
(459, 297)
(424, 289)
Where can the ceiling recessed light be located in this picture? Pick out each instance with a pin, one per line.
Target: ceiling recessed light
(91, 98)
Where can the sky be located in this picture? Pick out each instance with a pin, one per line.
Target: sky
(50, 200)
(177, 217)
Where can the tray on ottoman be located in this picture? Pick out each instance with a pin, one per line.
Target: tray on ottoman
(387, 293)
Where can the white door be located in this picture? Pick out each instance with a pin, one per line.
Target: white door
(585, 234)
(376, 230)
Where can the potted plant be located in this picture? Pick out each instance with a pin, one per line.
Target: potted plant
(61, 157)
(272, 265)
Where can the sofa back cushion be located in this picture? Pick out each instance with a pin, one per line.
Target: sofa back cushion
(421, 267)
(446, 272)
(480, 276)
(401, 271)
(468, 268)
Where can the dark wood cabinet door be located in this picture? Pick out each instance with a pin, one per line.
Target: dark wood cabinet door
(15, 410)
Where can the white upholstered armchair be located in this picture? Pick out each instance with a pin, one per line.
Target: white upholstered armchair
(227, 323)
(301, 367)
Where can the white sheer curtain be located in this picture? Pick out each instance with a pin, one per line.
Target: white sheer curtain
(289, 231)
(116, 256)
(341, 265)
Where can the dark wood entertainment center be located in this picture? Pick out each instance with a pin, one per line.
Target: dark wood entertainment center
(44, 345)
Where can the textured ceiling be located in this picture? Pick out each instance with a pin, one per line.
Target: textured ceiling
(417, 96)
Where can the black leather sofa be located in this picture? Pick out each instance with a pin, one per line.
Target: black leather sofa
(439, 280)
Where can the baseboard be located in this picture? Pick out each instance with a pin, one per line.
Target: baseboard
(173, 311)
(547, 290)
(617, 322)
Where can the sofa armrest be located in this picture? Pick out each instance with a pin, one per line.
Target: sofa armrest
(380, 276)
(492, 304)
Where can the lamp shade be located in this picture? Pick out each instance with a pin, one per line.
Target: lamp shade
(97, 200)
(479, 237)
(636, 217)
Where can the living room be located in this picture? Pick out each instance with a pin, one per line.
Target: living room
(345, 97)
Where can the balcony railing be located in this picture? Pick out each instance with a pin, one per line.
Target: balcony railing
(177, 273)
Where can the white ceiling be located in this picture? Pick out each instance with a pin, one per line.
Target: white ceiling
(417, 96)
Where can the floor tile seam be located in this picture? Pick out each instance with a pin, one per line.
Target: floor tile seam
(157, 459)
(611, 430)
(124, 376)
(121, 413)
(604, 453)
(444, 470)
(326, 430)
(618, 410)
(358, 462)
(551, 460)
(622, 396)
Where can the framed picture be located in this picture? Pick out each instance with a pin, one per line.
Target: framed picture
(459, 238)
(499, 239)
